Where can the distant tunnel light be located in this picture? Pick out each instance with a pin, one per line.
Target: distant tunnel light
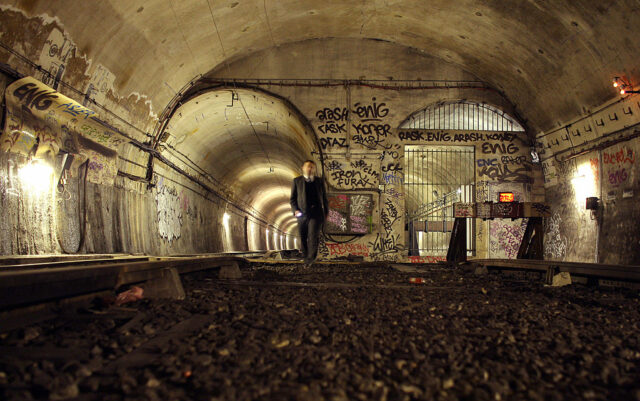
(267, 238)
(36, 176)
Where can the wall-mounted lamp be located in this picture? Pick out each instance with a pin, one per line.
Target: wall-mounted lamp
(623, 85)
(36, 175)
(592, 203)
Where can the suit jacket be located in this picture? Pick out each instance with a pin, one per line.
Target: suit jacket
(298, 198)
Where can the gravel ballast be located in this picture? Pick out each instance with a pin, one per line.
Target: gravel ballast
(338, 332)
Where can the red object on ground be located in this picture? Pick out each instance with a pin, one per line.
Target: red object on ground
(416, 280)
(132, 294)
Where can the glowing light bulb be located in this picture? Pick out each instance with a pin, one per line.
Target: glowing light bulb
(615, 84)
(36, 176)
(622, 91)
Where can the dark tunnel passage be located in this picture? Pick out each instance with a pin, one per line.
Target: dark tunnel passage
(462, 163)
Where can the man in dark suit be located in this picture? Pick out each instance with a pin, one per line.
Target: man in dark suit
(310, 205)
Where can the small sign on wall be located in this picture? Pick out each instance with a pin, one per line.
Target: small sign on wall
(464, 209)
(349, 213)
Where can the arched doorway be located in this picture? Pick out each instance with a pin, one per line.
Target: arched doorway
(443, 172)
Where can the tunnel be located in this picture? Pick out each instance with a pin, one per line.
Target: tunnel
(468, 226)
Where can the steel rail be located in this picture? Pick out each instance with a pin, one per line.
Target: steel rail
(24, 287)
(627, 273)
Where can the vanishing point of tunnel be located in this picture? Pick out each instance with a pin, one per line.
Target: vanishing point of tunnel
(319, 200)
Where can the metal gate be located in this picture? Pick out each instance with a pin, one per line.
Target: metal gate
(435, 178)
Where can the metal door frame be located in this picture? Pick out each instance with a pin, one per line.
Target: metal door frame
(418, 220)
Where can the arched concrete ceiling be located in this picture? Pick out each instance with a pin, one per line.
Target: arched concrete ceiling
(551, 58)
(252, 142)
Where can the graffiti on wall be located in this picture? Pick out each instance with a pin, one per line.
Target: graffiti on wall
(618, 165)
(392, 172)
(505, 238)
(332, 124)
(501, 162)
(461, 137)
(169, 212)
(364, 120)
(356, 249)
(555, 244)
(357, 174)
(55, 54)
(387, 243)
(369, 128)
(35, 110)
(99, 85)
(426, 259)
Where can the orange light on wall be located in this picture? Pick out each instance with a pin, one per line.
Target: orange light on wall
(506, 197)
(624, 84)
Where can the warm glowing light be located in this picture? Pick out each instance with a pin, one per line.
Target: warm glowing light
(36, 176)
(506, 197)
(584, 183)
(225, 219)
(615, 84)
(622, 91)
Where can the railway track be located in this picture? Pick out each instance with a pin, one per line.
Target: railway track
(607, 273)
(337, 331)
(35, 286)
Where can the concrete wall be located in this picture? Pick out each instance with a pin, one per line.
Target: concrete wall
(367, 150)
(175, 216)
(171, 218)
(594, 155)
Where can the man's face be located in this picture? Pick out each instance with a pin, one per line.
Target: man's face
(309, 169)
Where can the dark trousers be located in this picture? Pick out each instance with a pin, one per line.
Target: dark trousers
(309, 228)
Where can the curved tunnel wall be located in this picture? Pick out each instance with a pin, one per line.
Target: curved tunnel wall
(98, 71)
